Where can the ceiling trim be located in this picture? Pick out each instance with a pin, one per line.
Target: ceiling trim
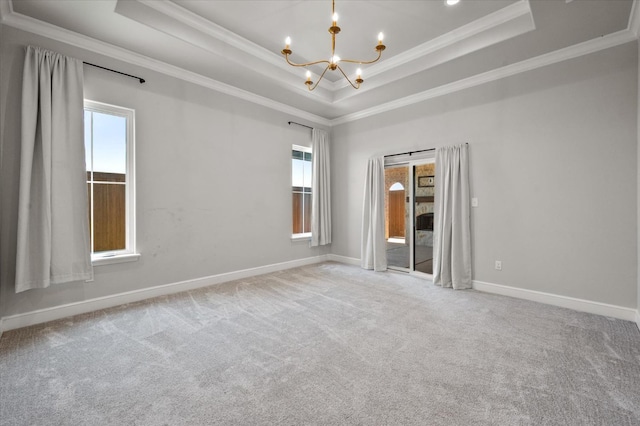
(584, 48)
(203, 26)
(6, 9)
(401, 65)
(488, 22)
(634, 19)
(26, 23)
(464, 46)
(212, 29)
(16, 20)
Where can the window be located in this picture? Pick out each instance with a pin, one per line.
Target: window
(109, 149)
(301, 189)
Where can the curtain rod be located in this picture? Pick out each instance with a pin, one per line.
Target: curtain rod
(410, 152)
(303, 125)
(413, 152)
(142, 80)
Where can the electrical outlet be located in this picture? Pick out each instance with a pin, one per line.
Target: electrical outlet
(474, 202)
(499, 265)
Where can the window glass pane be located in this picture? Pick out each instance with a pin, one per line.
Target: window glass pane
(109, 143)
(109, 228)
(307, 213)
(297, 173)
(87, 140)
(297, 213)
(301, 170)
(307, 174)
(106, 157)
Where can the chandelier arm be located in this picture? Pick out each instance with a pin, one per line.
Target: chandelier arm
(352, 61)
(320, 79)
(345, 76)
(305, 64)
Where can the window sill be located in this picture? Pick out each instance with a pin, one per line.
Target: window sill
(301, 237)
(116, 258)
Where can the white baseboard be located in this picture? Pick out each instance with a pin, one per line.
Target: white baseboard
(49, 314)
(582, 305)
(344, 259)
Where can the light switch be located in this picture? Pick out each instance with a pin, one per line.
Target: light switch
(474, 202)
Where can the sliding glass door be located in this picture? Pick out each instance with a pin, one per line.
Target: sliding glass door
(409, 197)
(424, 194)
(397, 219)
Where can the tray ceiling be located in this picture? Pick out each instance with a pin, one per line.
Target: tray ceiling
(234, 46)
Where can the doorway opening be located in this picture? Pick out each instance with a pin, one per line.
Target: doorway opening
(409, 215)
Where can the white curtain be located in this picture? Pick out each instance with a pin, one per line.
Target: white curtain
(452, 236)
(321, 192)
(53, 229)
(374, 250)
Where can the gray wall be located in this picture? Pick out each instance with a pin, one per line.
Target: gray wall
(554, 165)
(213, 180)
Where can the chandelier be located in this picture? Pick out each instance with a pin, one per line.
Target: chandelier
(333, 63)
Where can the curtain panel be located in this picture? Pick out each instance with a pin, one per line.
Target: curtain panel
(321, 192)
(452, 230)
(53, 228)
(373, 248)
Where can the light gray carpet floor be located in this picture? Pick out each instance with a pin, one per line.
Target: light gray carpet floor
(326, 344)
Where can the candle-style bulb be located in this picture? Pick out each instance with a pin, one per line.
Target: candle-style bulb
(380, 37)
(334, 18)
(287, 42)
(359, 73)
(308, 75)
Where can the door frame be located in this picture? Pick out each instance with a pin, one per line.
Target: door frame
(410, 192)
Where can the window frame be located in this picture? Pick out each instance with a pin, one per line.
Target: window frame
(301, 148)
(129, 253)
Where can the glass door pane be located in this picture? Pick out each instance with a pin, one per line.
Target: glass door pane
(397, 221)
(424, 190)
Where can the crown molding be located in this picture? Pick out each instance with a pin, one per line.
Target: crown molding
(463, 46)
(210, 29)
(581, 49)
(16, 20)
(466, 32)
(399, 66)
(53, 32)
(6, 9)
(634, 19)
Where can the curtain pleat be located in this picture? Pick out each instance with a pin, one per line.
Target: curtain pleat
(321, 192)
(373, 249)
(452, 245)
(53, 228)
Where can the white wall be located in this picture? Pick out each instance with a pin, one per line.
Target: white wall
(213, 180)
(554, 165)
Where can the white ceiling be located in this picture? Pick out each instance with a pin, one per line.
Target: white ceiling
(234, 46)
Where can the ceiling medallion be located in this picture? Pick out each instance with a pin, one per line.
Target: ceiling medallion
(333, 63)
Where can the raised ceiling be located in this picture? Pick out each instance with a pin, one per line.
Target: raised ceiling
(234, 46)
